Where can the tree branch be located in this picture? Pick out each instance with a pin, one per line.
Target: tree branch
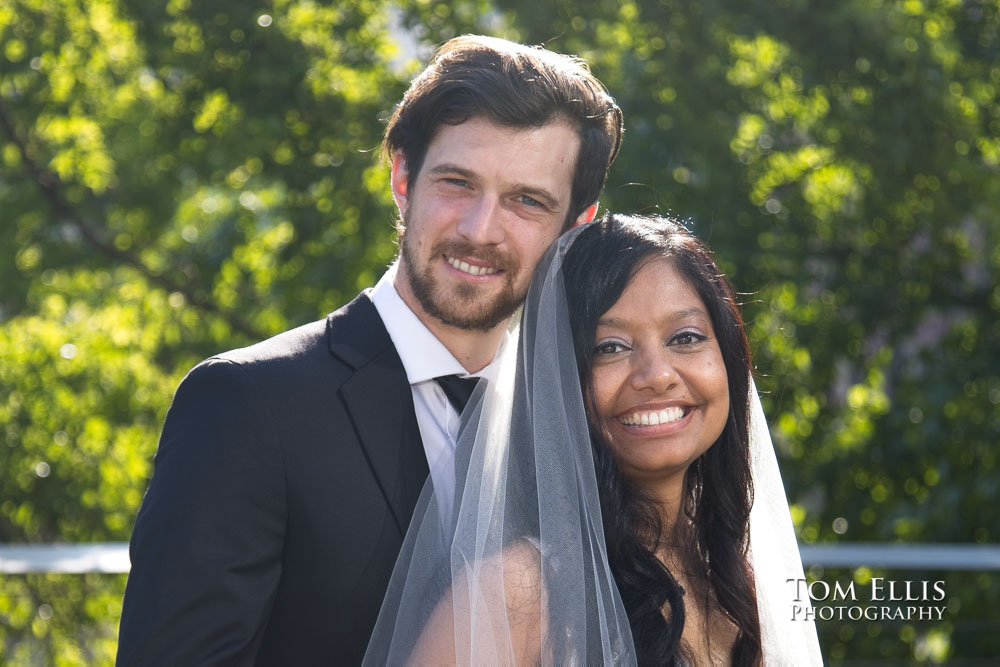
(49, 185)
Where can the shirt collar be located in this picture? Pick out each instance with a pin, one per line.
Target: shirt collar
(424, 357)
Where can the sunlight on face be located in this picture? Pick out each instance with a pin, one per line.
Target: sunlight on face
(485, 205)
(660, 385)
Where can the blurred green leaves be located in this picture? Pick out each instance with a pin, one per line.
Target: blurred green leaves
(175, 180)
(841, 162)
(178, 179)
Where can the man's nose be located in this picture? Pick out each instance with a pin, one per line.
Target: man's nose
(483, 224)
(654, 370)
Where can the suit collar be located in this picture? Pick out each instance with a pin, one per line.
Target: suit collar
(378, 398)
(355, 333)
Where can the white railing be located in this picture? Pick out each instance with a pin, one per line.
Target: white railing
(980, 557)
(112, 557)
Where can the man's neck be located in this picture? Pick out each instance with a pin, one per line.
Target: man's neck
(473, 349)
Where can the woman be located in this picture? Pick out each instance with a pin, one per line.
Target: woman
(604, 512)
(664, 363)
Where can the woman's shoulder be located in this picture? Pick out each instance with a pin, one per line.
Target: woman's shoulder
(494, 612)
(522, 570)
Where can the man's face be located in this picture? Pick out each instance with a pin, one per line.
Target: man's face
(486, 205)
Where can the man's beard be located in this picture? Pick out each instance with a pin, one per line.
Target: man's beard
(462, 306)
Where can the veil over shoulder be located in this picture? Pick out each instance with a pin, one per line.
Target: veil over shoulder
(519, 572)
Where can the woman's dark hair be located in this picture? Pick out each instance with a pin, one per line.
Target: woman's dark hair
(512, 85)
(598, 267)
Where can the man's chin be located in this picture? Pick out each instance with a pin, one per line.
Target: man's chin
(463, 305)
(470, 314)
(467, 321)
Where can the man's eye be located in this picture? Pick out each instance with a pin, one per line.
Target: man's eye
(458, 182)
(529, 201)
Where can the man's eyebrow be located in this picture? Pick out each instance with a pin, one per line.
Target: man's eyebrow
(541, 194)
(449, 168)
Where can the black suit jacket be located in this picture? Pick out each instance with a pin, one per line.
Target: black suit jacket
(283, 484)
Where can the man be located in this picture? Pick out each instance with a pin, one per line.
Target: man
(287, 472)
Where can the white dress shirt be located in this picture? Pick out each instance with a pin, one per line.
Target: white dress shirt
(424, 358)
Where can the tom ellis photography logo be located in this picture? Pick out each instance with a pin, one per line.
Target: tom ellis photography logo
(880, 600)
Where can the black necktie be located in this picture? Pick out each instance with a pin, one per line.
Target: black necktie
(457, 389)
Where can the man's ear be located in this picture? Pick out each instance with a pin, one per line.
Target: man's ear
(400, 180)
(585, 217)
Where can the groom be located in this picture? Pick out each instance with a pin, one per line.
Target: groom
(287, 472)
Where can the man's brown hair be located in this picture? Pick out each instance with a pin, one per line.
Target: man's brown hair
(512, 85)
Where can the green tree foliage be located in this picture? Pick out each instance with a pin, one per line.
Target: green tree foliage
(176, 179)
(180, 178)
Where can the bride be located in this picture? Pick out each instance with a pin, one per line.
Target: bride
(618, 498)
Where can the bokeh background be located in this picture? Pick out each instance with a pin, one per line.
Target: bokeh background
(179, 178)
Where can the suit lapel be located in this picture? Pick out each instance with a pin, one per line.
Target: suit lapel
(380, 404)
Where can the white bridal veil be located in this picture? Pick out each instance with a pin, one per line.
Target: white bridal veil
(523, 562)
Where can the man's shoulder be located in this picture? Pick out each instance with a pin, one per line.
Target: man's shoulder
(289, 346)
(275, 365)
(314, 341)
(323, 353)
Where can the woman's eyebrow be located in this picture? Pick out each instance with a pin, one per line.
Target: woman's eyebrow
(674, 316)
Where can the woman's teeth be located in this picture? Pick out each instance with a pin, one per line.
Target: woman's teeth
(653, 418)
(465, 267)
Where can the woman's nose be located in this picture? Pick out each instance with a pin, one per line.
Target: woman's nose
(654, 371)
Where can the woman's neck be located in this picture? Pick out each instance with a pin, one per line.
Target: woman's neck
(668, 496)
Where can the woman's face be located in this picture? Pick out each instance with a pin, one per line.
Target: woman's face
(659, 381)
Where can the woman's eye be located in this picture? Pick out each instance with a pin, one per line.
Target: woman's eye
(687, 338)
(609, 347)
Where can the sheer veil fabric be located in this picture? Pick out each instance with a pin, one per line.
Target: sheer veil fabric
(774, 555)
(519, 573)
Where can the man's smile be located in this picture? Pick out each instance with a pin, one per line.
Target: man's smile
(471, 269)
